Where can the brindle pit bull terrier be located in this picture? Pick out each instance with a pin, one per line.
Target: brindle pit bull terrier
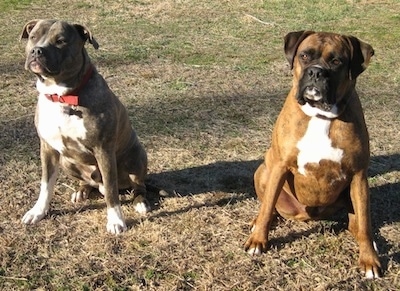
(319, 155)
(82, 125)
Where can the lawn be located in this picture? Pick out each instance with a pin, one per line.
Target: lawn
(203, 82)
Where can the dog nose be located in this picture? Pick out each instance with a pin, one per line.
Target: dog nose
(36, 51)
(316, 73)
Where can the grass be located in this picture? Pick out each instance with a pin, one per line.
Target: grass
(203, 82)
(9, 5)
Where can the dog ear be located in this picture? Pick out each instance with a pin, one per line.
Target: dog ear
(86, 35)
(292, 42)
(28, 28)
(361, 54)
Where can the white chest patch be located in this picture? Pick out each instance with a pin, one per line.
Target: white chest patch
(313, 111)
(316, 145)
(54, 121)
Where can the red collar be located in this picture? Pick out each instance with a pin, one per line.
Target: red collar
(72, 97)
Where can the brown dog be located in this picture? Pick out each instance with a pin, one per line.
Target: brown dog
(319, 154)
(82, 125)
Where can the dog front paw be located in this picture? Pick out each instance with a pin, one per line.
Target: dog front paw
(115, 220)
(34, 215)
(370, 265)
(254, 246)
(116, 227)
(372, 271)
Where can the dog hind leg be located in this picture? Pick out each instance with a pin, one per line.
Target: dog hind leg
(140, 201)
(82, 193)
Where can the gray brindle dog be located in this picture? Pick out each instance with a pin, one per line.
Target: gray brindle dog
(82, 125)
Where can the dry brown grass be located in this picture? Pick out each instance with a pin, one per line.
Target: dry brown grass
(203, 82)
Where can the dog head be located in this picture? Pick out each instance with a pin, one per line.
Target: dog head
(55, 49)
(325, 67)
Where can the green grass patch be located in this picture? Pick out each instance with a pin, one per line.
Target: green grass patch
(9, 5)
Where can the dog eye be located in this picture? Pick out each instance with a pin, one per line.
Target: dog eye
(304, 56)
(60, 41)
(335, 62)
(32, 37)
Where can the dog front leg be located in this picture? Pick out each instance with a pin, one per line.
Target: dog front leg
(258, 240)
(107, 163)
(50, 164)
(360, 226)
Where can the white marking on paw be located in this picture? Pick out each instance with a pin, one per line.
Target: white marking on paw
(115, 220)
(35, 214)
(142, 208)
(313, 111)
(42, 205)
(316, 145)
(369, 274)
(78, 196)
(254, 251)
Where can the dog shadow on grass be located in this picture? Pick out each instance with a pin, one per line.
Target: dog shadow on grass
(230, 177)
(230, 181)
(385, 203)
(225, 178)
(222, 176)
(237, 177)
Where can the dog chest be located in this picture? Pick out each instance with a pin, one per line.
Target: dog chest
(316, 145)
(321, 176)
(54, 122)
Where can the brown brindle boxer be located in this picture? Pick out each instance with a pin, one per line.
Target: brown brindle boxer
(319, 154)
(82, 125)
